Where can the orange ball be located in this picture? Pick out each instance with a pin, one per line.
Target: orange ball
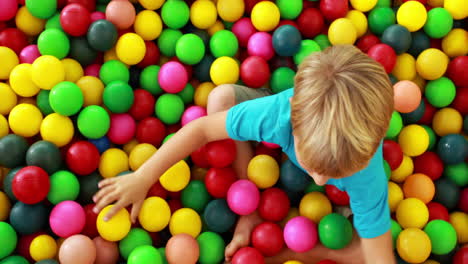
(407, 96)
(182, 249)
(121, 13)
(106, 252)
(419, 186)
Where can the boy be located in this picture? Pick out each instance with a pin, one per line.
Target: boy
(331, 125)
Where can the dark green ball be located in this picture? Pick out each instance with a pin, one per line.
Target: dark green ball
(102, 35)
(447, 193)
(47, 261)
(27, 219)
(465, 124)
(397, 37)
(81, 51)
(195, 196)
(201, 71)
(420, 42)
(14, 260)
(44, 154)
(12, 150)
(88, 187)
(293, 178)
(187, 94)
(392, 78)
(135, 73)
(7, 181)
(415, 116)
(452, 149)
(458, 173)
(42, 101)
(218, 217)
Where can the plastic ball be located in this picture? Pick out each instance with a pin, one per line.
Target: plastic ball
(43, 247)
(217, 216)
(230, 10)
(145, 254)
(77, 249)
(255, 72)
(455, 43)
(293, 178)
(121, 14)
(396, 124)
(148, 25)
(447, 121)
(363, 6)
(458, 220)
(27, 219)
(28, 23)
(13, 38)
(143, 104)
(21, 82)
(437, 211)
(192, 113)
(211, 247)
(412, 15)
(274, 205)
(9, 99)
(397, 37)
(31, 185)
(9, 10)
(310, 22)
(185, 220)
(195, 196)
(175, 14)
(151, 130)
(337, 196)
(267, 237)
(439, 23)
(221, 153)
(106, 252)
(122, 129)
(290, 9)
(282, 79)
(118, 97)
(300, 234)
(190, 49)
(53, 42)
(176, 178)
(67, 219)
(203, 14)
(342, 31)
(419, 186)
(286, 40)
(385, 55)
(224, 70)
(10, 61)
(130, 48)
(456, 9)
(461, 256)
(395, 196)
(440, 92)
(429, 164)
(146, 218)
(431, 64)
(359, 21)
(116, 228)
(414, 140)
(73, 70)
(243, 29)
(315, 206)
(82, 157)
(90, 228)
(412, 212)
(442, 235)
(113, 161)
(447, 193)
(139, 154)
(102, 35)
(307, 47)
(420, 42)
(335, 231)
(458, 173)
(405, 68)
(333, 10)
(66, 98)
(45, 155)
(224, 43)
(57, 129)
(63, 186)
(407, 96)
(136, 237)
(218, 181)
(265, 16)
(75, 19)
(9, 239)
(243, 197)
(452, 148)
(172, 77)
(413, 245)
(249, 254)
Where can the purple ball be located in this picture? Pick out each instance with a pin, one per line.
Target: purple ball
(67, 218)
(261, 44)
(172, 77)
(122, 128)
(300, 234)
(29, 54)
(192, 113)
(243, 197)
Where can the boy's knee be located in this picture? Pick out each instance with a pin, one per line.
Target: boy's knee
(221, 98)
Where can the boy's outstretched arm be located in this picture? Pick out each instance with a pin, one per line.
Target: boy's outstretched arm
(378, 250)
(131, 189)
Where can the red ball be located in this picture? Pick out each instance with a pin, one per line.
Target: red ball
(83, 157)
(333, 9)
(463, 202)
(151, 56)
(264, 150)
(75, 19)
(461, 100)
(392, 154)
(157, 190)
(310, 22)
(151, 130)
(255, 72)
(24, 242)
(13, 38)
(429, 113)
(327, 261)
(249, 5)
(461, 257)
(218, 181)
(199, 158)
(366, 42)
(90, 228)
(31, 185)
(274, 205)
(174, 205)
(429, 164)
(287, 22)
(457, 71)
(90, 5)
(173, 128)
(174, 195)
(385, 55)
(436, 43)
(221, 153)
(143, 105)
(437, 211)
(267, 237)
(337, 196)
(248, 255)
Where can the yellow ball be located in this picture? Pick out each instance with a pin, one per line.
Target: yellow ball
(92, 88)
(230, 10)
(25, 120)
(420, 82)
(432, 64)
(130, 145)
(203, 14)
(155, 214)
(265, 16)
(116, 228)
(263, 170)
(113, 161)
(130, 48)
(9, 99)
(5, 206)
(436, 3)
(176, 178)
(363, 5)
(21, 81)
(151, 4)
(359, 21)
(430, 261)
(73, 70)
(148, 25)
(4, 128)
(404, 170)
(140, 154)
(342, 31)
(414, 140)
(47, 71)
(57, 129)
(315, 205)
(293, 262)
(447, 121)
(457, 8)
(412, 15)
(28, 23)
(413, 245)
(185, 220)
(455, 43)
(43, 247)
(202, 92)
(217, 26)
(459, 221)
(293, 212)
(9, 61)
(405, 67)
(412, 212)
(224, 70)
(395, 196)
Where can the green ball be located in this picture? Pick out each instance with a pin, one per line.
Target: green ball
(211, 248)
(8, 239)
(102, 7)
(66, 98)
(12, 150)
(175, 14)
(388, 170)
(42, 101)
(442, 235)
(308, 47)
(224, 43)
(93, 122)
(396, 124)
(383, 3)
(323, 41)
(380, 19)
(149, 80)
(114, 70)
(42, 9)
(228, 25)
(335, 231)
(14, 260)
(7, 184)
(145, 255)
(118, 97)
(162, 251)
(396, 230)
(63, 186)
(440, 92)
(289, 9)
(168, 137)
(88, 187)
(282, 79)
(167, 41)
(447, 193)
(419, 42)
(195, 196)
(414, 116)
(187, 94)
(190, 49)
(54, 22)
(169, 108)
(135, 238)
(439, 22)
(44, 154)
(53, 42)
(458, 173)
(432, 137)
(313, 187)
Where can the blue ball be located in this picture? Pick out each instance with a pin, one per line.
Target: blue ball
(452, 149)
(102, 144)
(287, 40)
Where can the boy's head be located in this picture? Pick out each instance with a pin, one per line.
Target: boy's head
(340, 111)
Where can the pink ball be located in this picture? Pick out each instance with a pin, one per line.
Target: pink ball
(243, 29)
(77, 249)
(172, 77)
(8, 10)
(243, 197)
(67, 219)
(29, 54)
(261, 44)
(192, 113)
(122, 128)
(106, 252)
(95, 16)
(271, 145)
(300, 234)
(92, 70)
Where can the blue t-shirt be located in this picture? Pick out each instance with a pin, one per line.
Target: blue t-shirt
(269, 119)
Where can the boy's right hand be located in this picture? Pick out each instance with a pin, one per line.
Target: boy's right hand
(129, 189)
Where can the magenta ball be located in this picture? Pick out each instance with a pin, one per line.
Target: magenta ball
(29, 54)
(67, 218)
(8, 10)
(243, 197)
(260, 44)
(243, 29)
(122, 128)
(271, 145)
(92, 70)
(463, 202)
(300, 234)
(95, 16)
(193, 113)
(172, 77)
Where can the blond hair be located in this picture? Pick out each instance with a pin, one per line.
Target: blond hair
(340, 111)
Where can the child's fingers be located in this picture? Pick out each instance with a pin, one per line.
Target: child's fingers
(107, 182)
(104, 201)
(98, 196)
(135, 210)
